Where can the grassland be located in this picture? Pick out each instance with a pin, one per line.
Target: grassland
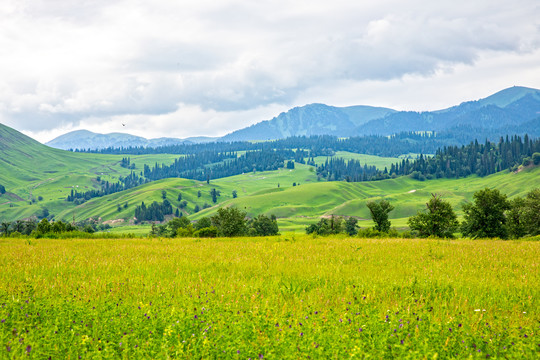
(372, 160)
(30, 170)
(271, 298)
(297, 206)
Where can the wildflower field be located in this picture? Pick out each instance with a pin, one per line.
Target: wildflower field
(274, 298)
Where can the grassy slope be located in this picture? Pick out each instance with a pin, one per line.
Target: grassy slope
(378, 161)
(297, 206)
(304, 204)
(29, 169)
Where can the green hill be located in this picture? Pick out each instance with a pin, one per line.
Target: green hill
(297, 206)
(38, 177)
(30, 171)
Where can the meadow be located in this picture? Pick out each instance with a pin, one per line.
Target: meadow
(283, 297)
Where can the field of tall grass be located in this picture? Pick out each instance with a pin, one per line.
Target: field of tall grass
(281, 297)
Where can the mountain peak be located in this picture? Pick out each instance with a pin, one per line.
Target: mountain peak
(508, 96)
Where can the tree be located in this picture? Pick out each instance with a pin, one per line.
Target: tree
(325, 226)
(439, 220)
(515, 218)
(2, 189)
(263, 225)
(4, 227)
(485, 217)
(203, 223)
(532, 212)
(43, 227)
(379, 213)
(199, 194)
(230, 221)
(179, 197)
(523, 218)
(163, 194)
(214, 193)
(234, 194)
(351, 227)
(177, 223)
(536, 158)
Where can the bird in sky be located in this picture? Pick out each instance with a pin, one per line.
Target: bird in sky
(123, 124)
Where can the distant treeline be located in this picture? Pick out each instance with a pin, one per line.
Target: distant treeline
(322, 145)
(207, 166)
(448, 162)
(107, 188)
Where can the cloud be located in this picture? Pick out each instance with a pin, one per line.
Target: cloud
(74, 64)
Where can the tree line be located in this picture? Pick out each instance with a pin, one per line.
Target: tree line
(317, 145)
(227, 222)
(490, 215)
(448, 162)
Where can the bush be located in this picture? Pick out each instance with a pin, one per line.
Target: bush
(263, 225)
(536, 158)
(185, 231)
(325, 226)
(207, 232)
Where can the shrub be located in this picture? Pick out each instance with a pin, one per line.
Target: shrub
(207, 232)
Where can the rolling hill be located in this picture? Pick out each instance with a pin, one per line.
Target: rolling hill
(37, 177)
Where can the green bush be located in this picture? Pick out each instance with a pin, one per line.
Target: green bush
(207, 232)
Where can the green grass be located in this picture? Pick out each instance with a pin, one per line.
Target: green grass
(298, 206)
(29, 170)
(301, 205)
(371, 160)
(287, 297)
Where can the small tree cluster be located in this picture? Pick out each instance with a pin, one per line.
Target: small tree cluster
(333, 225)
(227, 222)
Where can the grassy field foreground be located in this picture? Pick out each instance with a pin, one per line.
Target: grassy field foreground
(272, 298)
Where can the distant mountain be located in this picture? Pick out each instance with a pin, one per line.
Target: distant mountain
(84, 139)
(515, 110)
(313, 119)
(509, 111)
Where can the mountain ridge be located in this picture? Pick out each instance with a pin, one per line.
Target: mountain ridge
(509, 110)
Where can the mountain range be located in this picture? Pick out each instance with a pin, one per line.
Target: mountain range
(514, 110)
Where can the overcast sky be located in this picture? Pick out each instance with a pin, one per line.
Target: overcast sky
(207, 67)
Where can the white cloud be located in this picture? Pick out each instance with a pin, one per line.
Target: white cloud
(208, 67)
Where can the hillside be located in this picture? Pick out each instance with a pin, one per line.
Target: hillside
(297, 206)
(30, 171)
(314, 119)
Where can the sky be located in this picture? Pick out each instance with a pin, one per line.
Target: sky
(176, 68)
